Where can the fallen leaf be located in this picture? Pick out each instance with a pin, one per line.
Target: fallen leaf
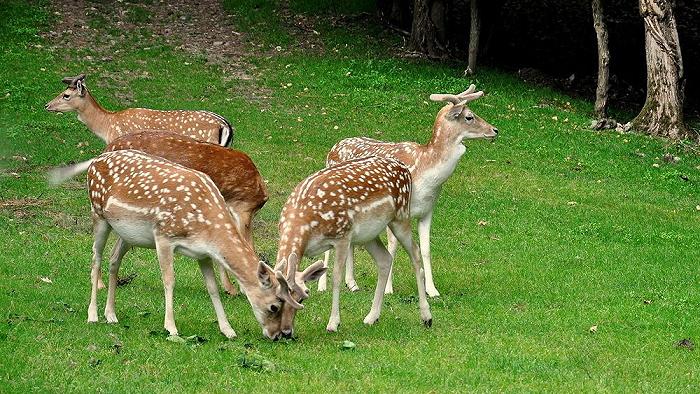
(482, 223)
(572, 203)
(348, 345)
(685, 343)
(46, 279)
(593, 329)
(176, 339)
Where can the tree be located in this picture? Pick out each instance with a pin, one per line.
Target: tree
(474, 31)
(601, 93)
(427, 27)
(662, 114)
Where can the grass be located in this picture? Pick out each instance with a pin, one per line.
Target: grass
(582, 230)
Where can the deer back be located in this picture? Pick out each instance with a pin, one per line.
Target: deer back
(233, 172)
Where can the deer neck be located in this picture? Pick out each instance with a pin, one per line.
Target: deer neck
(240, 259)
(294, 238)
(441, 154)
(96, 118)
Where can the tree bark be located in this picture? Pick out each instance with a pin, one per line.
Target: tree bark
(662, 114)
(474, 31)
(601, 31)
(424, 33)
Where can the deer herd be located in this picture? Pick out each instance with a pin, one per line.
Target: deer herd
(168, 181)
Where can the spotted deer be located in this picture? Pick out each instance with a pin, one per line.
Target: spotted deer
(430, 166)
(344, 205)
(231, 170)
(201, 125)
(154, 203)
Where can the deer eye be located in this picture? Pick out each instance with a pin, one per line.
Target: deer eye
(274, 308)
(66, 96)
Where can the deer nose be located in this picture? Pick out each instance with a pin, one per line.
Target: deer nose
(495, 131)
(287, 334)
(46, 106)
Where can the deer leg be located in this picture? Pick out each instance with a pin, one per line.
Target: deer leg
(383, 260)
(165, 258)
(424, 234)
(208, 273)
(402, 230)
(226, 283)
(323, 280)
(100, 231)
(350, 271)
(115, 260)
(391, 245)
(342, 249)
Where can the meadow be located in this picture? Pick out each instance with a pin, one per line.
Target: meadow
(566, 259)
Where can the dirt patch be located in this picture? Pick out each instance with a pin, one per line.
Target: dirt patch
(21, 208)
(104, 29)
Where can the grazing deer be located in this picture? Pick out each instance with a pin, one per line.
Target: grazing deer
(232, 171)
(430, 165)
(155, 203)
(201, 125)
(344, 205)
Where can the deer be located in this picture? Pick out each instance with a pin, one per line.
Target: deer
(344, 205)
(108, 125)
(430, 166)
(155, 203)
(231, 170)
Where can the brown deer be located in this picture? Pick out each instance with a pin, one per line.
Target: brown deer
(201, 125)
(430, 165)
(231, 170)
(344, 205)
(155, 203)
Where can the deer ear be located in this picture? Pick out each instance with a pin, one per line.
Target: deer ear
(455, 111)
(313, 272)
(80, 87)
(265, 274)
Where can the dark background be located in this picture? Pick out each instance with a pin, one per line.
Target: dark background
(549, 40)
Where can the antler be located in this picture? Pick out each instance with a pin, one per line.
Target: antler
(72, 81)
(292, 267)
(285, 293)
(459, 99)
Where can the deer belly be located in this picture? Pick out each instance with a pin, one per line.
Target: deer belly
(134, 232)
(368, 225)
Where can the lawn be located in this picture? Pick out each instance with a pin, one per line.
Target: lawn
(566, 259)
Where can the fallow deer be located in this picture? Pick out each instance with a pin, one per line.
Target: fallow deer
(430, 165)
(344, 205)
(232, 171)
(201, 125)
(155, 203)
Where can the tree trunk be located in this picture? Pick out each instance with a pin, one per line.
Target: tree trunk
(474, 31)
(423, 30)
(601, 31)
(662, 114)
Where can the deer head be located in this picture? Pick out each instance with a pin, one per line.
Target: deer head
(71, 99)
(299, 291)
(457, 122)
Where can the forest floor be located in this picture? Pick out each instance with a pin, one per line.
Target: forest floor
(566, 259)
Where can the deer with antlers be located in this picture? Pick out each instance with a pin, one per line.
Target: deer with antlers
(201, 125)
(430, 166)
(231, 170)
(155, 203)
(344, 205)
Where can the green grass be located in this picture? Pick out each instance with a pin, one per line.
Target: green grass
(582, 230)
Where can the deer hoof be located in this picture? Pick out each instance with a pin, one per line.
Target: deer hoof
(428, 323)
